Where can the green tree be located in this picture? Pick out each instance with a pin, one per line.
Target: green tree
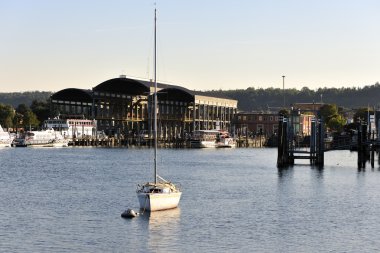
(337, 123)
(328, 111)
(332, 117)
(17, 121)
(7, 113)
(284, 112)
(22, 108)
(361, 114)
(30, 120)
(25, 117)
(40, 109)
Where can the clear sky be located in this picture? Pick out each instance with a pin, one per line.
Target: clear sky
(50, 45)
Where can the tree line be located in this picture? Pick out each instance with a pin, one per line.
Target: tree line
(253, 99)
(24, 116)
(16, 98)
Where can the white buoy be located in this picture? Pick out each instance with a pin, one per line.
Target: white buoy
(129, 213)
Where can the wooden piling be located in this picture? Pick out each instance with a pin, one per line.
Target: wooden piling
(283, 152)
(320, 159)
(362, 135)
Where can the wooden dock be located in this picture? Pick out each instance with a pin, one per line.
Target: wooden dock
(126, 142)
(288, 152)
(367, 145)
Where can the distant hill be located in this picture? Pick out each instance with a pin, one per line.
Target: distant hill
(252, 99)
(16, 98)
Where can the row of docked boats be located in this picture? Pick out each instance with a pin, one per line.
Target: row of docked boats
(52, 138)
(57, 133)
(44, 138)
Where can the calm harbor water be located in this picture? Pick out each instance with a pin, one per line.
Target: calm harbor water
(234, 200)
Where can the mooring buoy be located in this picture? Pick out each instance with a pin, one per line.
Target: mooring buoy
(129, 213)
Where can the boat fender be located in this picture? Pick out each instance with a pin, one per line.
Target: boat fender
(129, 213)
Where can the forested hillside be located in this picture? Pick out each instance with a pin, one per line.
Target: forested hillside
(251, 99)
(16, 98)
(261, 99)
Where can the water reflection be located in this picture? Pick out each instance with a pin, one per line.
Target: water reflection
(318, 171)
(154, 231)
(163, 230)
(284, 172)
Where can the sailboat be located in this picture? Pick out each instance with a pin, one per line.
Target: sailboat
(159, 194)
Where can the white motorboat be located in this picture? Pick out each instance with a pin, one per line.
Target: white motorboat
(204, 139)
(224, 140)
(44, 138)
(5, 138)
(159, 194)
(212, 139)
(39, 138)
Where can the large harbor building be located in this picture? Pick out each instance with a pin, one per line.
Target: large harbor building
(125, 106)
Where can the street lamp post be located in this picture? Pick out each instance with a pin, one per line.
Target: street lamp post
(283, 90)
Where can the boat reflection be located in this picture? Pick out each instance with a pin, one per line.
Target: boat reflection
(163, 229)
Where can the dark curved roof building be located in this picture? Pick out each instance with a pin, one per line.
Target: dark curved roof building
(124, 105)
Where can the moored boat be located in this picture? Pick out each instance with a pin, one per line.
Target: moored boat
(44, 138)
(212, 139)
(204, 139)
(159, 194)
(224, 140)
(39, 138)
(5, 138)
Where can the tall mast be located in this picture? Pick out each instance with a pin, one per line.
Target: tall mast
(155, 98)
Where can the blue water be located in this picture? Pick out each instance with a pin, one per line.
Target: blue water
(234, 200)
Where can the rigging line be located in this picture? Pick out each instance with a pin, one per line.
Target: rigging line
(150, 53)
(161, 57)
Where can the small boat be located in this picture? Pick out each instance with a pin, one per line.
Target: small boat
(224, 140)
(159, 194)
(204, 139)
(5, 138)
(212, 139)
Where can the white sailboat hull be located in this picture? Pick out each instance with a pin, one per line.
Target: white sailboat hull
(158, 201)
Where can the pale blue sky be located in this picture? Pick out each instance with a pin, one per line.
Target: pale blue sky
(210, 44)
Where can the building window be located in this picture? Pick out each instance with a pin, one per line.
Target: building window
(260, 128)
(271, 118)
(260, 118)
